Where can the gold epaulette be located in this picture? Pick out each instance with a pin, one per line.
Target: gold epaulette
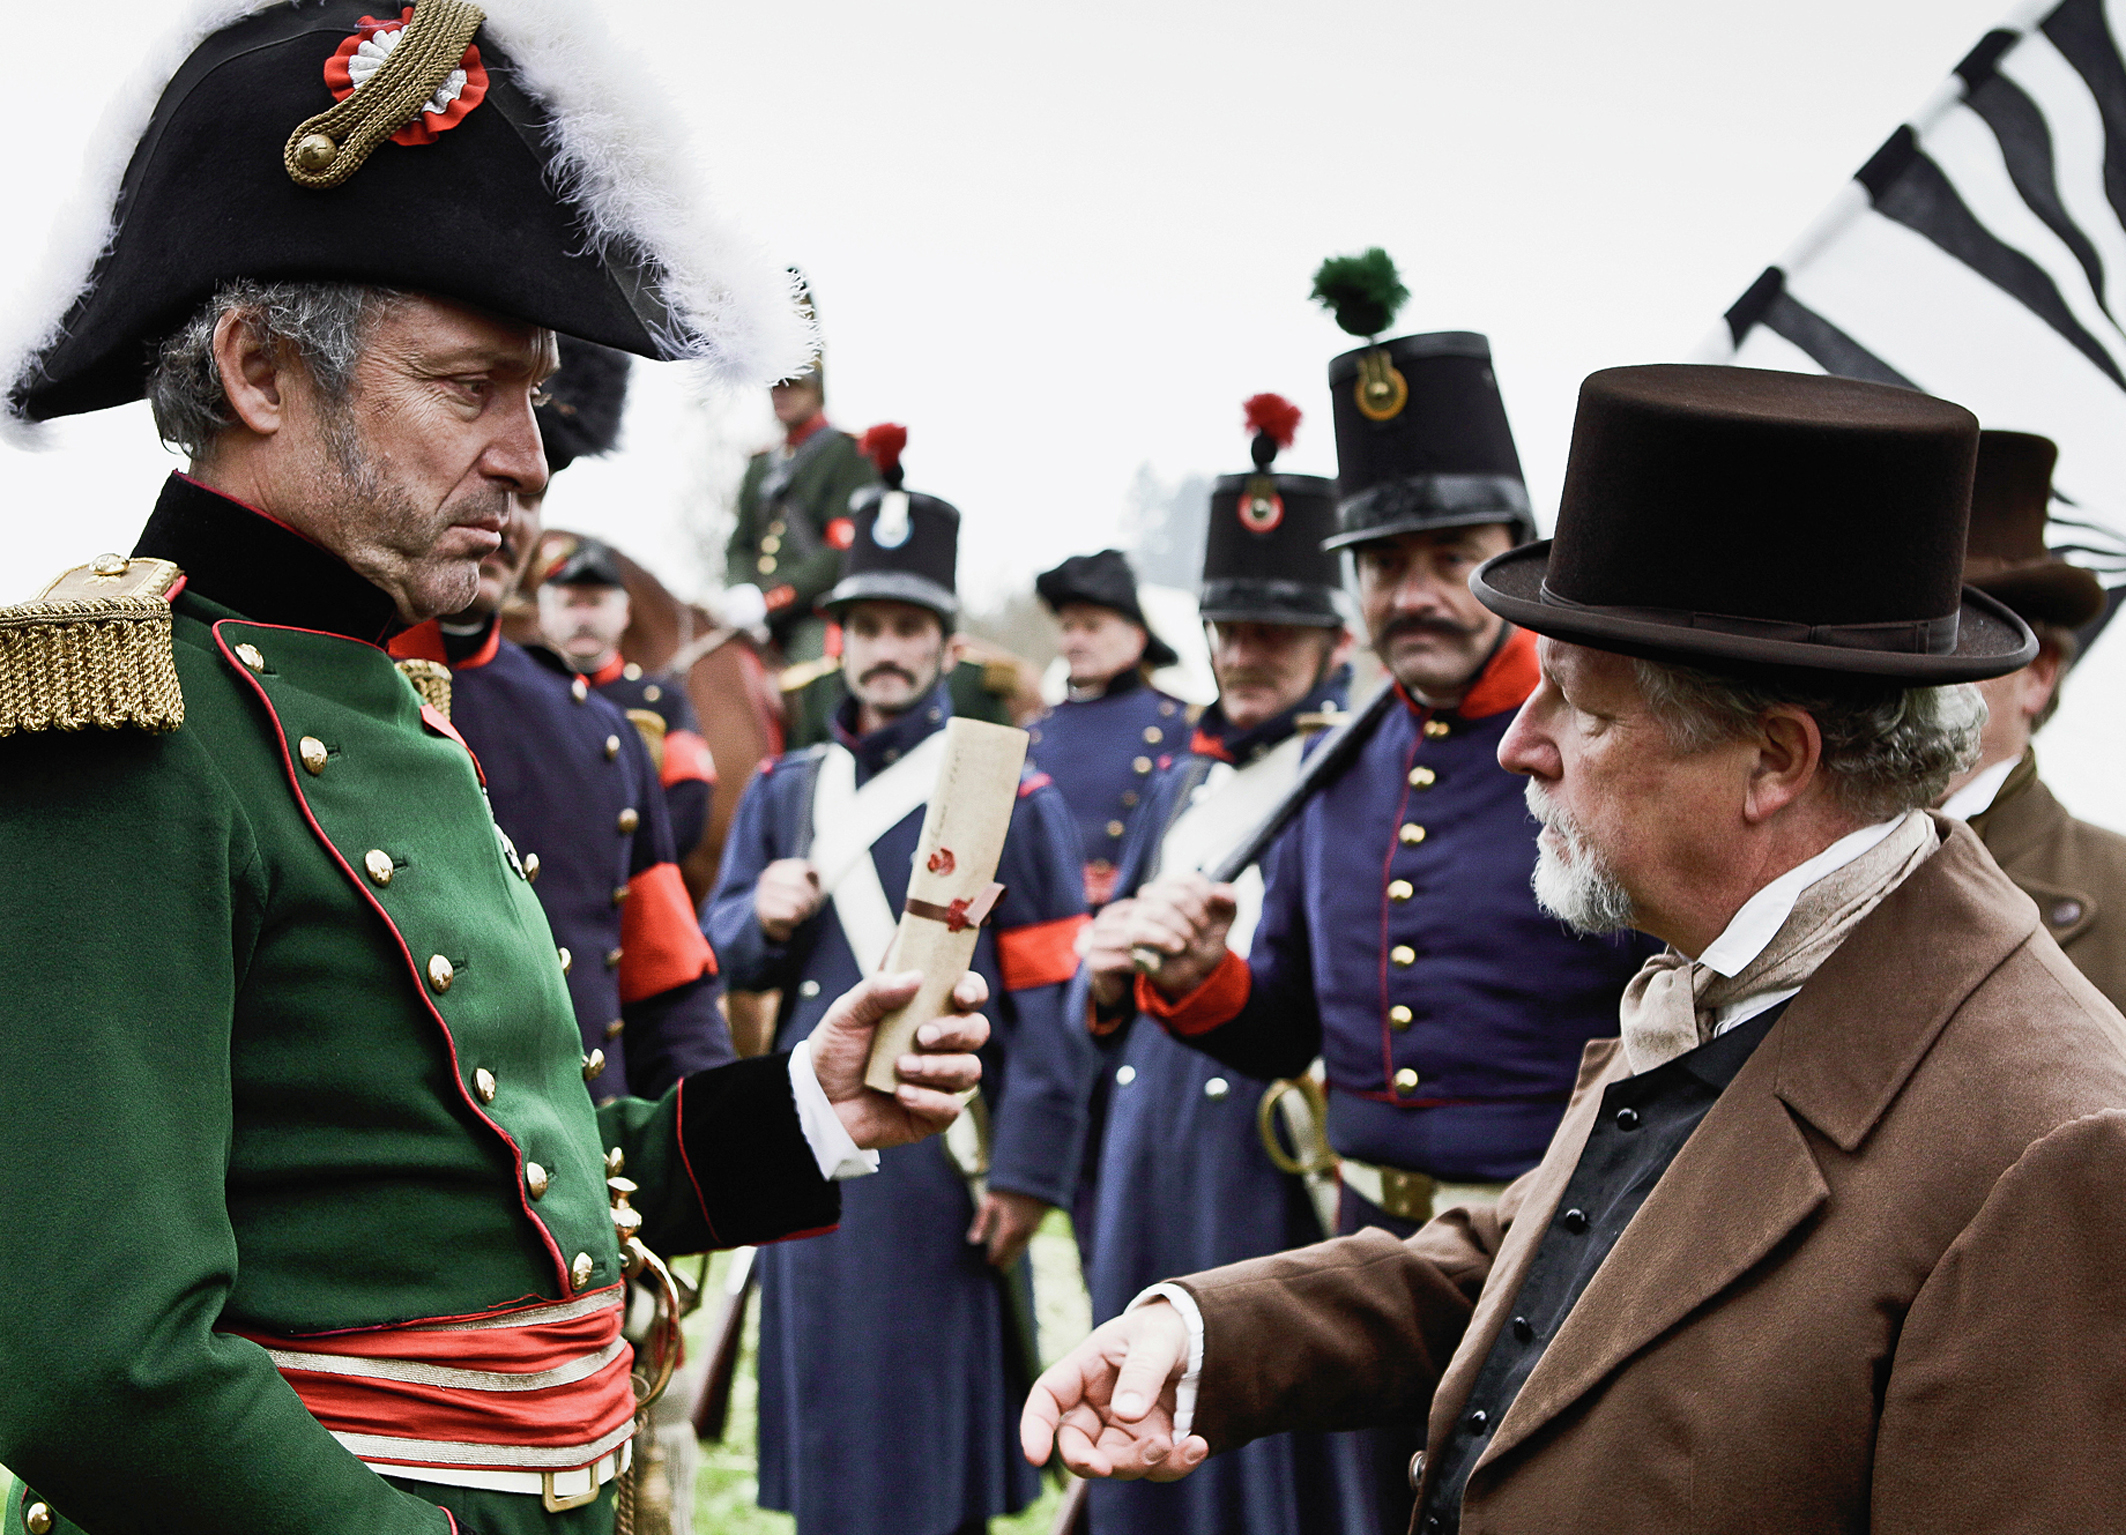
(649, 724)
(93, 648)
(430, 679)
(797, 678)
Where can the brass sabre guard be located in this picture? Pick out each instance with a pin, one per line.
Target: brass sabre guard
(325, 150)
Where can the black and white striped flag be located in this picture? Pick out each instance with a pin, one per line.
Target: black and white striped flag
(1981, 256)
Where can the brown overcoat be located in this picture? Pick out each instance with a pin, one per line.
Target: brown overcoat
(1882, 1288)
(2074, 871)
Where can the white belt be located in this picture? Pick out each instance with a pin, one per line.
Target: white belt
(560, 1489)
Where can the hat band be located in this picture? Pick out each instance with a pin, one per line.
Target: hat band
(1268, 600)
(1918, 636)
(1415, 502)
(893, 586)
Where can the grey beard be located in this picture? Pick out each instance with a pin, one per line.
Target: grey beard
(1583, 893)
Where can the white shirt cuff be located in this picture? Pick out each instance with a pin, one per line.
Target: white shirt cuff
(1192, 1376)
(838, 1156)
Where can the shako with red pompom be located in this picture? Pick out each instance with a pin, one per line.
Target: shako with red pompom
(903, 545)
(1263, 560)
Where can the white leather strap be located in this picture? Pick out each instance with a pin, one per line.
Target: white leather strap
(847, 820)
(1226, 806)
(575, 1485)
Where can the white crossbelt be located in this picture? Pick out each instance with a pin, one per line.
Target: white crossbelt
(846, 820)
(1226, 806)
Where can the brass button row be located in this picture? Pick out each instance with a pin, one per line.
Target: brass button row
(249, 655)
(1399, 1017)
(1400, 890)
(441, 972)
(1422, 777)
(1435, 729)
(612, 747)
(1411, 834)
(579, 689)
(313, 753)
(1140, 766)
(1402, 956)
(1406, 1081)
(1115, 828)
(37, 1519)
(483, 1083)
(594, 1065)
(536, 1180)
(1153, 735)
(630, 818)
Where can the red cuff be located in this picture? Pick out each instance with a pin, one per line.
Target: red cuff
(780, 597)
(1044, 954)
(686, 756)
(1218, 1000)
(660, 937)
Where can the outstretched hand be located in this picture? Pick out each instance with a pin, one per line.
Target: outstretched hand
(1108, 1405)
(942, 1066)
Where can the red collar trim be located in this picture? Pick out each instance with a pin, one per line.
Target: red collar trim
(1505, 682)
(610, 672)
(798, 436)
(1206, 745)
(424, 642)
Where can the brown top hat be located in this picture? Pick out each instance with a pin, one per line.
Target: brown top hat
(2006, 556)
(1727, 517)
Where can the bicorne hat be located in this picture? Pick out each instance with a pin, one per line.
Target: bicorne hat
(584, 400)
(904, 545)
(1731, 518)
(1105, 581)
(1263, 560)
(1421, 434)
(500, 160)
(2005, 556)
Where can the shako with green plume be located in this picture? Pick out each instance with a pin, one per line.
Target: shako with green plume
(1421, 435)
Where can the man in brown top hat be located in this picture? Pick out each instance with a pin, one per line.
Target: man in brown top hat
(1827, 1240)
(2074, 871)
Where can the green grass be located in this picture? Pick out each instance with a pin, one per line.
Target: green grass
(724, 1492)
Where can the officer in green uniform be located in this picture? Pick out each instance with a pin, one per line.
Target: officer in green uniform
(310, 1223)
(794, 519)
(814, 690)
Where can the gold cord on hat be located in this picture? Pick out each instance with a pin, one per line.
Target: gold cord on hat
(325, 150)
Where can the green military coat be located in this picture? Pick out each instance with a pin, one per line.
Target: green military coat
(285, 1038)
(785, 541)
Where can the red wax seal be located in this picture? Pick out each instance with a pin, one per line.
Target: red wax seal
(942, 861)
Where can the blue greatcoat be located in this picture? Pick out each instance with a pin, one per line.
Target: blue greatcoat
(1185, 1185)
(1399, 933)
(1102, 752)
(890, 1384)
(572, 784)
(687, 773)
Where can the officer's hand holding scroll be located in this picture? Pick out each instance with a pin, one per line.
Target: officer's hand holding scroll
(1182, 920)
(938, 1066)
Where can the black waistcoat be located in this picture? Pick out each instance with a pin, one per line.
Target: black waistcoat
(1644, 1122)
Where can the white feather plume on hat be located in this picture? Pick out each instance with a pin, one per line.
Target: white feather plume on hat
(614, 149)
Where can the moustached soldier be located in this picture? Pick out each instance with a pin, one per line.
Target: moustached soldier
(307, 1205)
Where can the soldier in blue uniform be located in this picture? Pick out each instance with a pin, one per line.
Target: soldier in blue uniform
(892, 1351)
(1185, 1179)
(584, 611)
(572, 783)
(1400, 938)
(1103, 742)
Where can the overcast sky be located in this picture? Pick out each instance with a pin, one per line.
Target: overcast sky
(1062, 242)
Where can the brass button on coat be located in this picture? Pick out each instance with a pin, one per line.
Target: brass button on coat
(614, 1029)
(765, 564)
(37, 1519)
(378, 863)
(536, 1179)
(1124, 1075)
(612, 959)
(483, 1083)
(531, 867)
(567, 959)
(1435, 728)
(579, 690)
(580, 1270)
(1400, 890)
(652, 693)
(1402, 955)
(313, 753)
(612, 747)
(1405, 1080)
(1411, 834)
(808, 988)
(772, 544)
(615, 1162)
(1116, 828)
(1422, 778)
(1153, 735)
(1140, 766)
(619, 894)
(1399, 1016)
(249, 655)
(630, 818)
(1217, 1089)
(441, 972)
(594, 1065)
